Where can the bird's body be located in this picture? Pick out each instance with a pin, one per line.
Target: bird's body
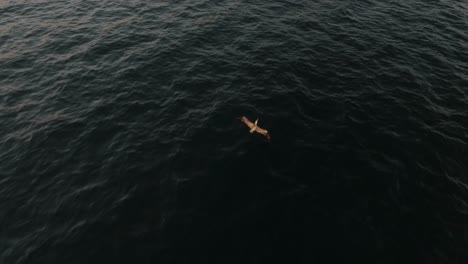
(254, 128)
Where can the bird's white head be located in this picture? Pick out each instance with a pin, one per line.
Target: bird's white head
(256, 121)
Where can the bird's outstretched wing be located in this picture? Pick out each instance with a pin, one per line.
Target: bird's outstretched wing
(247, 122)
(263, 132)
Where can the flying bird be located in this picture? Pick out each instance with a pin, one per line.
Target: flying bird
(254, 128)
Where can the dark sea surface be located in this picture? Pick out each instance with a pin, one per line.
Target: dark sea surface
(120, 143)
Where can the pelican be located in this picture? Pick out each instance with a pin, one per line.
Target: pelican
(254, 128)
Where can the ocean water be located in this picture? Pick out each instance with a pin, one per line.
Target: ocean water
(120, 143)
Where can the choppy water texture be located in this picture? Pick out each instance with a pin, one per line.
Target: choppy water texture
(119, 141)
